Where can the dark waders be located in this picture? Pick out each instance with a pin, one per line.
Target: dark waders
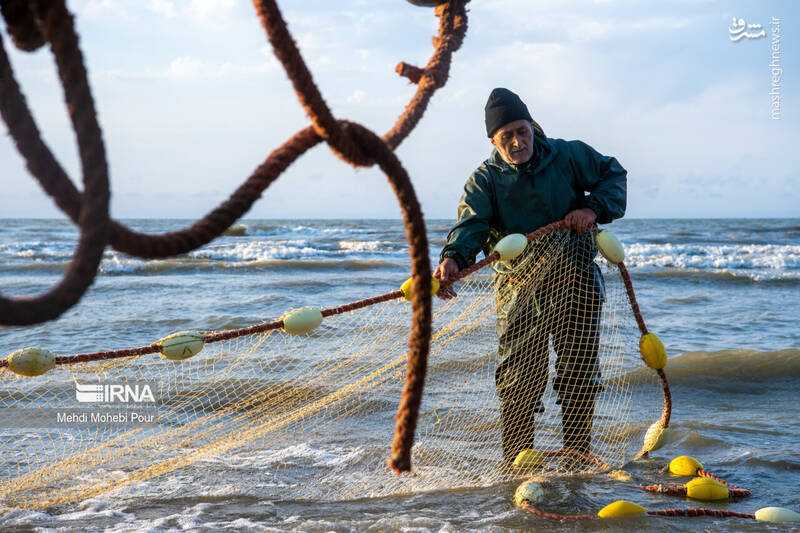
(565, 303)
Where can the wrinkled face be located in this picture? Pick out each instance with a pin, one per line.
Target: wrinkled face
(514, 141)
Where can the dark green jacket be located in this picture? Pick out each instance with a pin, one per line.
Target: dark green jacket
(500, 199)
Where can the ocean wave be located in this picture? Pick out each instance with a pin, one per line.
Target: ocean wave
(36, 251)
(725, 275)
(258, 251)
(354, 245)
(778, 257)
(237, 230)
(730, 366)
(131, 266)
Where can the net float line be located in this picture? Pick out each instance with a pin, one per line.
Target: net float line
(667, 411)
(278, 324)
(681, 491)
(522, 241)
(673, 513)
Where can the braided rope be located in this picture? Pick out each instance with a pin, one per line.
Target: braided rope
(93, 220)
(354, 143)
(43, 165)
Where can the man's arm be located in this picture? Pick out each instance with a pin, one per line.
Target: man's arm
(475, 211)
(605, 180)
(470, 232)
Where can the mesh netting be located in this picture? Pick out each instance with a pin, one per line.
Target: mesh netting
(310, 416)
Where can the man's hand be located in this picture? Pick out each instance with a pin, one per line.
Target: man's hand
(580, 220)
(446, 271)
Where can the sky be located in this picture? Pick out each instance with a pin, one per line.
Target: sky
(191, 100)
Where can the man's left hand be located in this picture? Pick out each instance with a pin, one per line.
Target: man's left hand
(580, 220)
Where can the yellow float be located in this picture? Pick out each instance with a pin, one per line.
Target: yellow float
(653, 352)
(684, 466)
(621, 508)
(407, 292)
(701, 488)
(529, 459)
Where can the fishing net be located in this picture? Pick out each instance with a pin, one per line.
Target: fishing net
(309, 416)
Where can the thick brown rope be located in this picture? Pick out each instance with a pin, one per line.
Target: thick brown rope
(352, 142)
(667, 412)
(93, 215)
(452, 27)
(22, 24)
(307, 92)
(54, 180)
(626, 278)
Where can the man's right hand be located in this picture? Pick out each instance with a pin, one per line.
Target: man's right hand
(446, 271)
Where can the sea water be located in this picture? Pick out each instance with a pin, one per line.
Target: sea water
(723, 295)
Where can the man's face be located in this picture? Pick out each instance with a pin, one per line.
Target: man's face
(514, 141)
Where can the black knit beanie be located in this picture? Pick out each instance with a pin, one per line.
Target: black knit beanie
(504, 107)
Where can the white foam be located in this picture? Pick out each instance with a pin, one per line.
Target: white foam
(766, 261)
(258, 251)
(37, 250)
(301, 453)
(353, 245)
(22, 516)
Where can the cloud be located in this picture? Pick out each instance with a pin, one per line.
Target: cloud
(162, 7)
(183, 67)
(357, 97)
(210, 10)
(104, 9)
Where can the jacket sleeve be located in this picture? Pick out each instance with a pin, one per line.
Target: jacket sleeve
(604, 179)
(475, 212)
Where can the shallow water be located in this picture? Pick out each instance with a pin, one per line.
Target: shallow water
(724, 296)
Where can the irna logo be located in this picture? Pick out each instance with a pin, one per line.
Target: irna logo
(108, 393)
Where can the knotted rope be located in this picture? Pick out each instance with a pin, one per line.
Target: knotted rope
(32, 24)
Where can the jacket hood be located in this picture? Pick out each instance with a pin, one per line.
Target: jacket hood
(548, 151)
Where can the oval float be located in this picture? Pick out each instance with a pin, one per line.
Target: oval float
(621, 508)
(609, 246)
(702, 488)
(31, 361)
(182, 345)
(529, 491)
(301, 321)
(407, 292)
(529, 459)
(653, 352)
(777, 514)
(511, 246)
(655, 437)
(684, 466)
